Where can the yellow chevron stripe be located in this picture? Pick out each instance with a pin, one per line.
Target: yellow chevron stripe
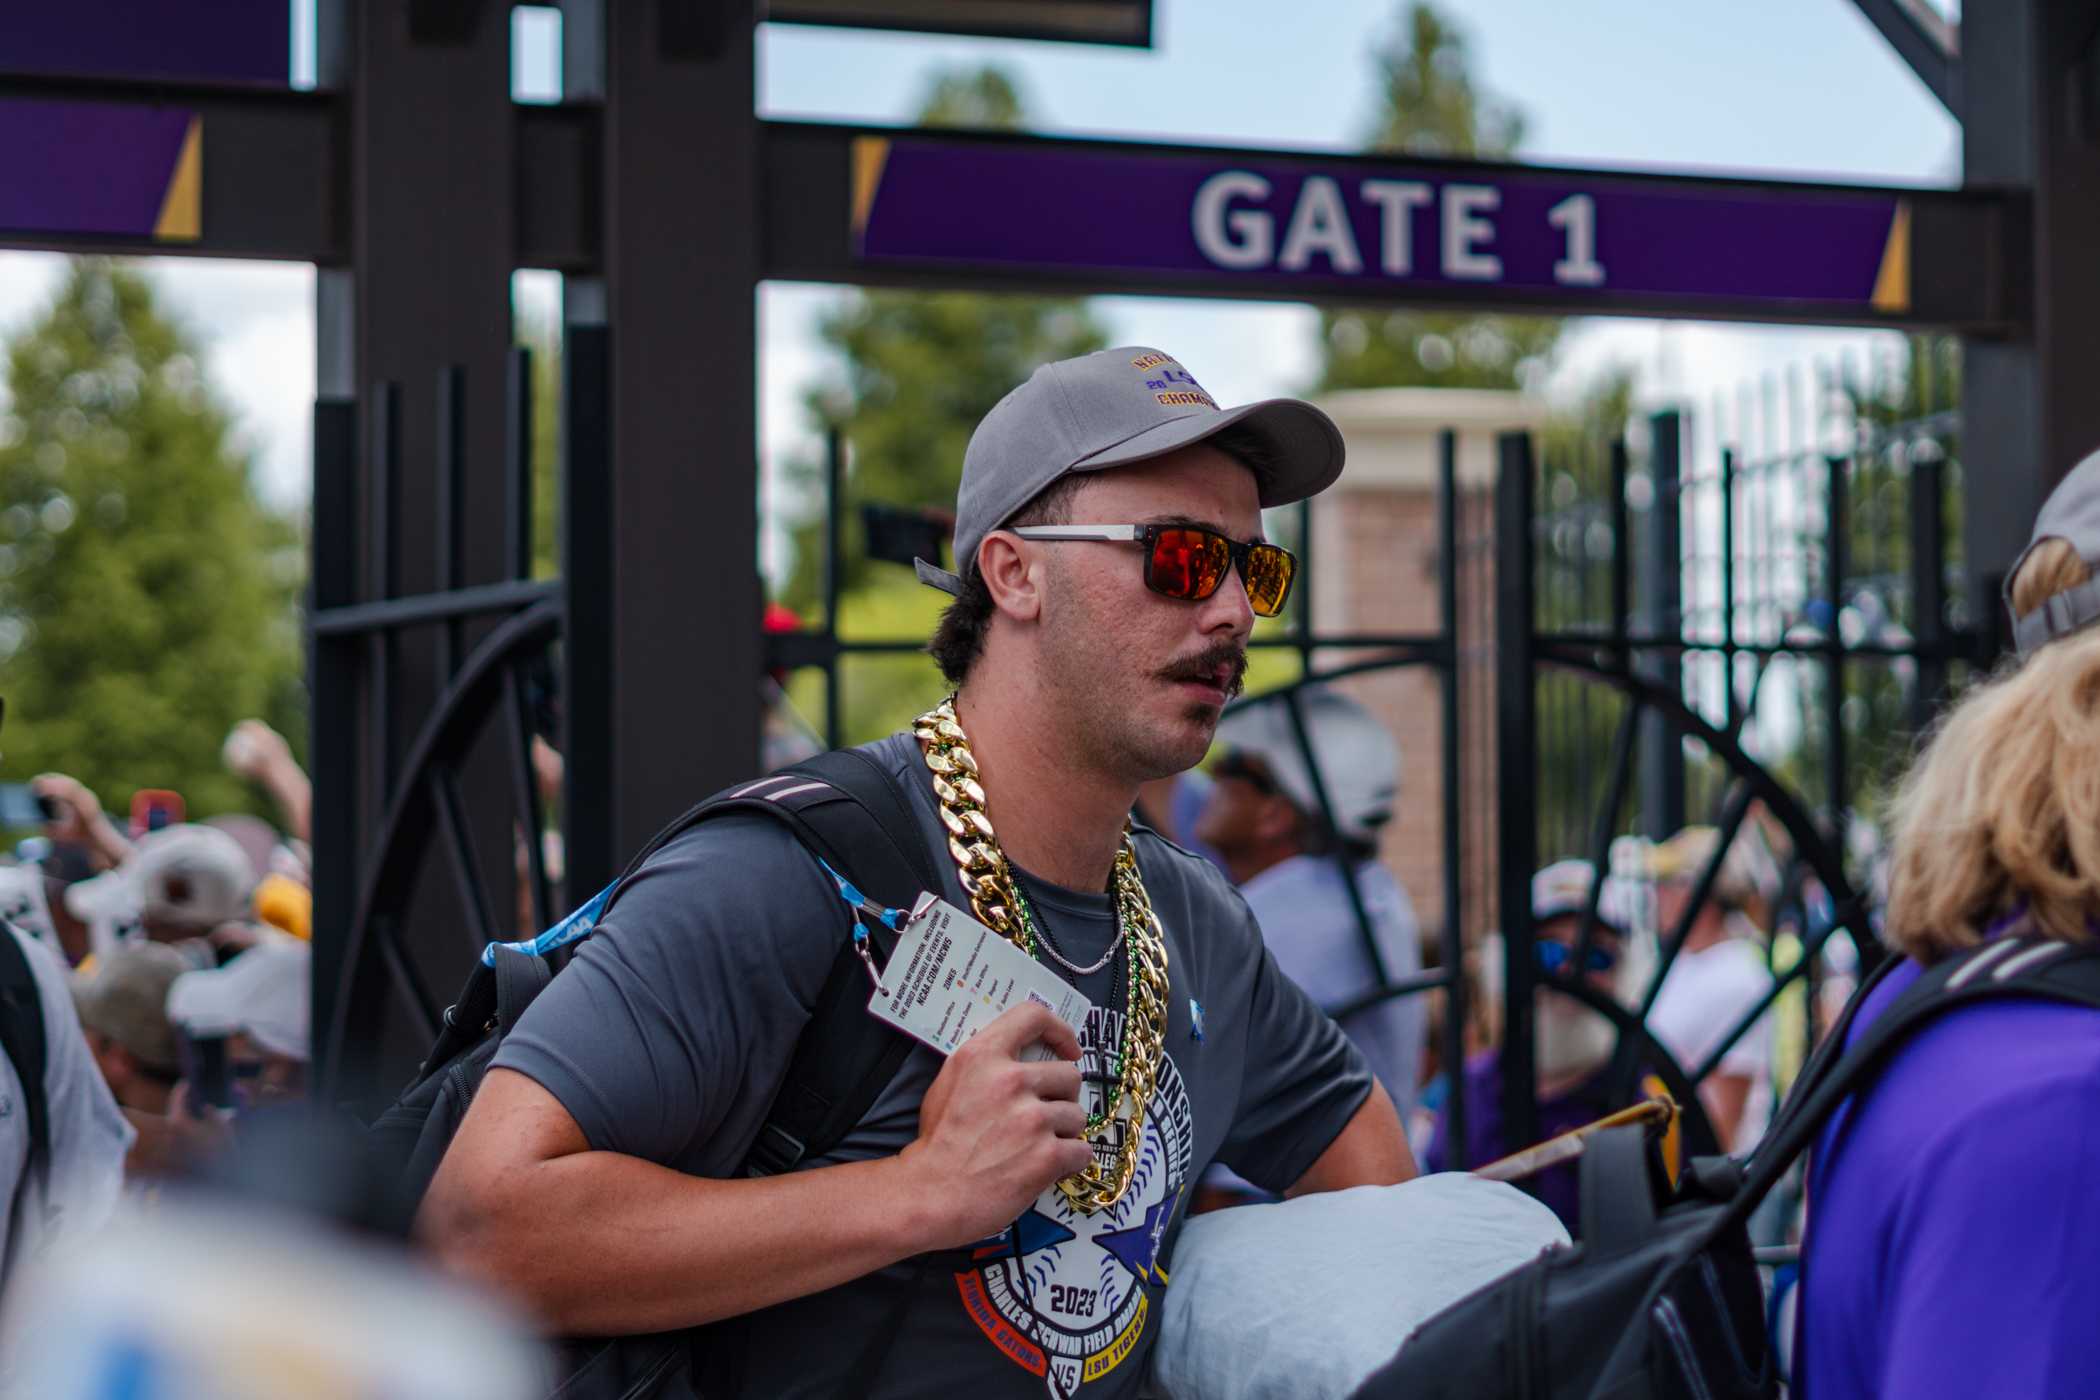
(870, 154)
(182, 207)
(1892, 286)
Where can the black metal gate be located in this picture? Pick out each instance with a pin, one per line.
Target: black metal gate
(1609, 618)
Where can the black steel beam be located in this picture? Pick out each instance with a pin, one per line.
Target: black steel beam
(423, 137)
(676, 575)
(272, 178)
(2029, 412)
(276, 171)
(1925, 41)
(1516, 781)
(332, 670)
(1125, 22)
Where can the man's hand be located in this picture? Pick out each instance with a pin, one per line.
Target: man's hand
(255, 751)
(80, 820)
(994, 1132)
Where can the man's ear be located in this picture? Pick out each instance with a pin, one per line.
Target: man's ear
(1012, 574)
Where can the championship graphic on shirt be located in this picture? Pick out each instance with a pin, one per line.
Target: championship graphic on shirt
(1068, 1296)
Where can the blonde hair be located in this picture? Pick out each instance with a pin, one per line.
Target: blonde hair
(2003, 805)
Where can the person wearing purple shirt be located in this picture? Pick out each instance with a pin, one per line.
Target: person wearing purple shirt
(1953, 1218)
(1574, 1045)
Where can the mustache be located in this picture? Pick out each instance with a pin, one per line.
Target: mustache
(1208, 662)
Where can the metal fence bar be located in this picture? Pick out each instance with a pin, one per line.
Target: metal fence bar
(525, 792)
(1836, 524)
(1928, 581)
(1728, 652)
(1452, 948)
(452, 485)
(385, 446)
(1662, 604)
(587, 579)
(1516, 739)
(518, 499)
(834, 578)
(395, 614)
(332, 718)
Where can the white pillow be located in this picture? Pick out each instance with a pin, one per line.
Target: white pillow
(1305, 1298)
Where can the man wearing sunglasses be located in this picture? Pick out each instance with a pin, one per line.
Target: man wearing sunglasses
(997, 1224)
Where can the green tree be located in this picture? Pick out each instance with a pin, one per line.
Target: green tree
(1430, 105)
(147, 597)
(919, 371)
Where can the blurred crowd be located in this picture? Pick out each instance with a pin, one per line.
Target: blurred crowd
(175, 962)
(186, 949)
(1681, 934)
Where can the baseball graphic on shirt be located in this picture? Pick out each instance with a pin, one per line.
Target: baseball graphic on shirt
(1068, 1295)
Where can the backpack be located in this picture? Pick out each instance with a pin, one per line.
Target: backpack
(1662, 1298)
(843, 807)
(22, 1040)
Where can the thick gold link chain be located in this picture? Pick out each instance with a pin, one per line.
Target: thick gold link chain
(988, 883)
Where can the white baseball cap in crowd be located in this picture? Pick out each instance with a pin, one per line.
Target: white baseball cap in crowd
(190, 875)
(262, 994)
(1359, 762)
(1563, 888)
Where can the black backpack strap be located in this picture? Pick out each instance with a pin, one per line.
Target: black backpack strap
(520, 977)
(1618, 1201)
(2042, 970)
(23, 1040)
(845, 808)
(845, 1057)
(1828, 1050)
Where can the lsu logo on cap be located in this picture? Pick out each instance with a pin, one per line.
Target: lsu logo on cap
(1172, 385)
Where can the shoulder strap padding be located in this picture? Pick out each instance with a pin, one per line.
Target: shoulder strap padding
(845, 1057)
(1618, 1201)
(844, 807)
(520, 977)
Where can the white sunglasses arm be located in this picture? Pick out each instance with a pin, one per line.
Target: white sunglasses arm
(1076, 532)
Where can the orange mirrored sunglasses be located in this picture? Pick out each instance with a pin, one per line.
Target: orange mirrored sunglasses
(1190, 563)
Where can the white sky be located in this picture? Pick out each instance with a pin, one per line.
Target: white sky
(1793, 87)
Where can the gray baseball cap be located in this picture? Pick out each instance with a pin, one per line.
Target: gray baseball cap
(1109, 409)
(2071, 514)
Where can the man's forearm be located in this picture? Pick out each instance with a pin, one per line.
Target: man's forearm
(595, 1243)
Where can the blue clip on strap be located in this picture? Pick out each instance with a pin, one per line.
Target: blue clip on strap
(576, 927)
(861, 905)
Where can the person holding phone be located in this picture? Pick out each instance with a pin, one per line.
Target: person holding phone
(77, 819)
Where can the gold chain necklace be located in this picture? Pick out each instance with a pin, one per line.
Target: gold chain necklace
(996, 900)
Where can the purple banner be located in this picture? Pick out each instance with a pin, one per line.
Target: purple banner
(99, 169)
(233, 41)
(1580, 237)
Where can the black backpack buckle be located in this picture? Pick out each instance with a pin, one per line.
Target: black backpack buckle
(777, 1150)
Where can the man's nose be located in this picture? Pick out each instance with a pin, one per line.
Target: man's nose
(1228, 612)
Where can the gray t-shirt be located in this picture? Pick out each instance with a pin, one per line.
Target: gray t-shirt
(669, 1034)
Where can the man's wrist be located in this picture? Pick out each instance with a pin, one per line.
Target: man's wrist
(911, 1210)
